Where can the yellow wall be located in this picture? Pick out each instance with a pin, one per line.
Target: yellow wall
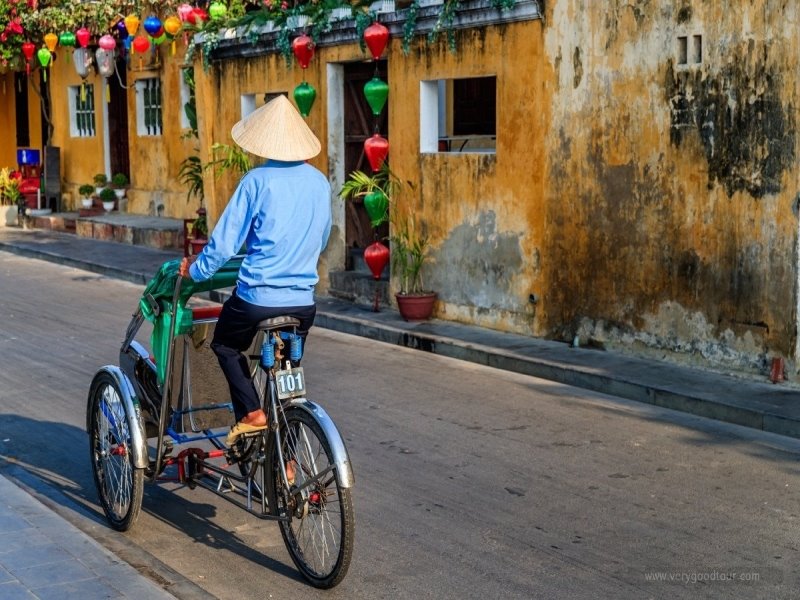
(8, 125)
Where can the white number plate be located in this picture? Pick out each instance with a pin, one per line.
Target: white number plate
(290, 383)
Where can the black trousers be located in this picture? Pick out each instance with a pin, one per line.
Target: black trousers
(234, 333)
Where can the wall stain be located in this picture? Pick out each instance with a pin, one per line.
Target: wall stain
(748, 135)
(475, 252)
(578, 67)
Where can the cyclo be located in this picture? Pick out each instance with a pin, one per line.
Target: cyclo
(296, 472)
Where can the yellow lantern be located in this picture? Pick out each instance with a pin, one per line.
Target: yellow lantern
(51, 41)
(172, 25)
(131, 24)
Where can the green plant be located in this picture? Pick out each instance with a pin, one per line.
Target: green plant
(228, 158)
(200, 225)
(86, 190)
(359, 185)
(119, 180)
(100, 179)
(9, 186)
(107, 195)
(409, 251)
(191, 175)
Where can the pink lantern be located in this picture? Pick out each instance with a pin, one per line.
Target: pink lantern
(107, 42)
(184, 10)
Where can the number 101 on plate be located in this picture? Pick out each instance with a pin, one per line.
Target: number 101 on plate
(291, 383)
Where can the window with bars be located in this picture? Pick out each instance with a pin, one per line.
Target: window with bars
(81, 110)
(148, 106)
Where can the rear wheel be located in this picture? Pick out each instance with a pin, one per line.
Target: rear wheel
(119, 483)
(319, 532)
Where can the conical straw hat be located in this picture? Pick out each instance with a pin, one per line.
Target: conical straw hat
(276, 131)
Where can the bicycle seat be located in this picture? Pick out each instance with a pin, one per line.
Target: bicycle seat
(277, 323)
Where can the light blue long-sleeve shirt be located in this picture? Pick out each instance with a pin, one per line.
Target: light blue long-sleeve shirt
(281, 211)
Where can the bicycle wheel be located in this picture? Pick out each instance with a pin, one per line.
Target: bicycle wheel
(119, 483)
(319, 533)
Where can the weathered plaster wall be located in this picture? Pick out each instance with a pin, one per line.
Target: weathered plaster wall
(671, 187)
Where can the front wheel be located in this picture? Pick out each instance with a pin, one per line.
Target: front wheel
(119, 484)
(319, 532)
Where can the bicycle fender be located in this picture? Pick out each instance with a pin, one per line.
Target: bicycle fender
(340, 456)
(132, 413)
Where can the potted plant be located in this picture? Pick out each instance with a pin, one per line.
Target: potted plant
(86, 191)
(408, 255)
(100, 182)
(199, 231)
(9, 196)
(109, 199)
(120, 183)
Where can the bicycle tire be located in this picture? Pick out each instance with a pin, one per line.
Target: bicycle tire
(120, 485)
(319, 534)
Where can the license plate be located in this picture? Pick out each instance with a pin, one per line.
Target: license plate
(291, 383)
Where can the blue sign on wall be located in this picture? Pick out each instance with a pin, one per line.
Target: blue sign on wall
(28, 156)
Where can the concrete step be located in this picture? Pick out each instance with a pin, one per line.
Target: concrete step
(138, 230)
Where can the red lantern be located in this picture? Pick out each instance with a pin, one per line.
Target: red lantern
(376, 148)
(376, 256)
(28, 48)
(83, 35)
(376, 36)
(303, 48)
(141, 44)
(198, 17)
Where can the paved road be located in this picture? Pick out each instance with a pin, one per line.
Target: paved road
(470, 482)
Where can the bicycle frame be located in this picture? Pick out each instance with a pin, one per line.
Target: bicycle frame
(150, 407)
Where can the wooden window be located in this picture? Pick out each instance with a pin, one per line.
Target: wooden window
(148, 107)
(81, 110)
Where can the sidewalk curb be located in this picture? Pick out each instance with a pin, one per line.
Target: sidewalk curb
(147, 565)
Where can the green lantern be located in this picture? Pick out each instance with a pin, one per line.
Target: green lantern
(376, 92)
(304, 96)
(67, 39)
(376, 203)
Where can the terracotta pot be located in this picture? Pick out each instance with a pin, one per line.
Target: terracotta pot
(416, 307)
(197, 245)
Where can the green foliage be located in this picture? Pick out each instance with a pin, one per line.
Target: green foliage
(200, 226)
(191, 175)
(359, 184)
(100, 179)
(190, 108)
(409, 26)
(119, 180)
(108, 195)
(409, 250)
(228, 158)
(86, 190)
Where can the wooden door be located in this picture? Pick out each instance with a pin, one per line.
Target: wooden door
(118, 121)
(359, 124)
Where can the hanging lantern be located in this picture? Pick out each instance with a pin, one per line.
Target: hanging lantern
(105, 62)
(141, 44)
(44, 57)
(51, 41)
(217, 10)
(67, 39)
(152, 25)
(376, 91)
(83, 61)
(184, 10)
(304, 96)
(83, 35)
(122, 31)
(28, 48)
(131, 24)
(376, 256)
(198, 16)
(376, 204)
(172, 25)
(376, 36)
(303, 48)
(107, 42)
(377, 149)
(127, 44)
